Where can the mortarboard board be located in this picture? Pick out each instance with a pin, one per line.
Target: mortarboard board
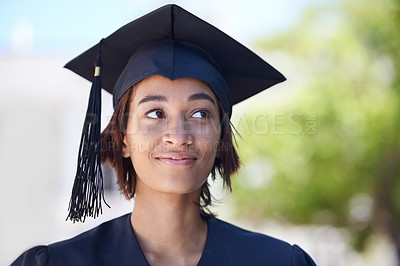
(168, 41)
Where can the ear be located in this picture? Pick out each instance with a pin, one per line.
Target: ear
(125, 149)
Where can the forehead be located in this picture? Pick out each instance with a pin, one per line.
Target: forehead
(181, 88)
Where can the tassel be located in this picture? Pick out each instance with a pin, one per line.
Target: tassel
(87, 191)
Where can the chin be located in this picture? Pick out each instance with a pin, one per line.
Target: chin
(174, 181)
(174, 184)
(181, 187)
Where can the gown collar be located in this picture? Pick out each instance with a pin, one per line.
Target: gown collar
(210, 251)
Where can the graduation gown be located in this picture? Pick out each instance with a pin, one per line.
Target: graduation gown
(114, 243)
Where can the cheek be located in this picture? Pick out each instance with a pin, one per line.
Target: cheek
(208, 140)
(211, 130)
(142, 138)
(208, 133)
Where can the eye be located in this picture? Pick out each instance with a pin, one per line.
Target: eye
(155, 114)
(201, 114)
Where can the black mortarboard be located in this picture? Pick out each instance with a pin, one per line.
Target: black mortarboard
(171, 42)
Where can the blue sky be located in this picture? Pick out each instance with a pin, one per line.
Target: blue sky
(48, 26)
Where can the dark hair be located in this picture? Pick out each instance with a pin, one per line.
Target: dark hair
(111, 140)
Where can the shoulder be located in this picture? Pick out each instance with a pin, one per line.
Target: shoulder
(92, 247)
(35, 256)
(88, 247)
(243, 239)
(255, 248)
(99, 235)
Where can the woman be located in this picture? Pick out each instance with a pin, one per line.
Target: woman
(174, 79)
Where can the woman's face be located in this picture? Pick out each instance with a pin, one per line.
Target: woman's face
(172, 134)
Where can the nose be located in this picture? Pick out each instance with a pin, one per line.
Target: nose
(178, 132)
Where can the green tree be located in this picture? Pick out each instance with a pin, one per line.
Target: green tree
(331, 154)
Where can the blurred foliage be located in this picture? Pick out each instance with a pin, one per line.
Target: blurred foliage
(331, 156)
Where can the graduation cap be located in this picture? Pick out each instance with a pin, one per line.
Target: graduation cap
(168, 41)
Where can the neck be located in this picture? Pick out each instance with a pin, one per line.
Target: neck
(169, 227)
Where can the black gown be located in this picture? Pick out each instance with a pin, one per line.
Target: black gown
(114, 243)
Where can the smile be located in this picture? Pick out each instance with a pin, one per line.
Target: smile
(176, 158)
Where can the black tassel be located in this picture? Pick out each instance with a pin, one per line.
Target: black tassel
(88, 192)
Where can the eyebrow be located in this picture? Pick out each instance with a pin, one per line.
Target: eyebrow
(201, 96)
(155, 98)
(161, 98)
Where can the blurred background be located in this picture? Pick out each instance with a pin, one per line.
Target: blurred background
(320, 152)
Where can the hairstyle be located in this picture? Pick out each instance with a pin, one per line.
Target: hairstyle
(111, 140)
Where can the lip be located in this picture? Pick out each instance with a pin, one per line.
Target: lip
(176, 158)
